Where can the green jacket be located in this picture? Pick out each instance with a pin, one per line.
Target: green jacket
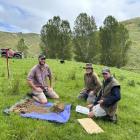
(92, 82)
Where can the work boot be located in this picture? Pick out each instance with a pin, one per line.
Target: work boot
(83, 96)
(112, 119)
(30, 94)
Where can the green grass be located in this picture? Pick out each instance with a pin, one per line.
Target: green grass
(68, 81)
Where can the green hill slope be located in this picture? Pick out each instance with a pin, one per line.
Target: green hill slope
(133, 26)
(68, 81)
(10, 40)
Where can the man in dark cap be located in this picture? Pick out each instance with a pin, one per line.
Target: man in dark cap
(37, 80)
(92, 84)
(107, 100)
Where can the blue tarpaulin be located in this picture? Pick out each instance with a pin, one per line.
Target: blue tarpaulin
(61, 117)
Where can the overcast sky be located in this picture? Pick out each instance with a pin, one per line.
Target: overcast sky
(30, 15)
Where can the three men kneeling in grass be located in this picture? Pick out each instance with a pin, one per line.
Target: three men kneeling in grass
(102, 99)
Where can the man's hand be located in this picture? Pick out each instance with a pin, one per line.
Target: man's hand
(100, 102)
(91, 93)
(91, 114)
(90, 106)
(38, 89)
(83, 90)
(50, 88)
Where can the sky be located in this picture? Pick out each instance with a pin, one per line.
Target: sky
(30, 15)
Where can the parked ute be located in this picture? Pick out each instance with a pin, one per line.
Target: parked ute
(11, 53)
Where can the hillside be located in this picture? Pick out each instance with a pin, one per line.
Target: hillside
(10, 40)
(133, 25)
(67, 84)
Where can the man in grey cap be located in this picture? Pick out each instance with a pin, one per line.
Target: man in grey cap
(92, 84)
(107, 100)
(37, 80)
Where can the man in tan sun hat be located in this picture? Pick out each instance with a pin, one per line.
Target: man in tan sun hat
(92, 84)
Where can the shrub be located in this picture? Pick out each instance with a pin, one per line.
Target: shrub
(2, 75)
(72, 75)
(138, 83)
(131, 83)
(15, 88)
(121, 77)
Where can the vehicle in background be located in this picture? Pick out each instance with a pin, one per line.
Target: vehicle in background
(11, 54)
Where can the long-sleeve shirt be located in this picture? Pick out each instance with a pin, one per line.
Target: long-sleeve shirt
(110, 99)
(92, 82)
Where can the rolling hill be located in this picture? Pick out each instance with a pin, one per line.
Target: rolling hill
(133, 25)
(10, 40)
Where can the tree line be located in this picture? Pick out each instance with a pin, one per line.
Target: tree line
(107, 45)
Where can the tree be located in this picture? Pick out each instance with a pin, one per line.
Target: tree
(22, 47)
(56, 38)
(86, 41)
(64, 50)
(114, 39)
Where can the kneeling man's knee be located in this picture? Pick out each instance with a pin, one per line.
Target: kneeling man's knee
(43, 101)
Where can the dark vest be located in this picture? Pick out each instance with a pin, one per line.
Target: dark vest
(106, 92)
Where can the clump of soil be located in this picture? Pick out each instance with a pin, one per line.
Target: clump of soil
(58, 107)
(28, 106)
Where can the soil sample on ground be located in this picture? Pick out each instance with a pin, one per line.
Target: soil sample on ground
(58, 107)
(29, 106)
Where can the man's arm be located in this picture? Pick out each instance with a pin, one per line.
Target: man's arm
(34, 87)
(50, 78)
(85, 85)
(30, 83)
(30, 78)
(113, 98)
(98, 83)
(98, 97)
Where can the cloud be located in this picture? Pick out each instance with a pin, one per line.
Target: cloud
(11, 28)
(18, 18)
(30, 15)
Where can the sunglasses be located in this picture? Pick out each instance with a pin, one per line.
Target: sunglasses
(43, 59)
(104, 73)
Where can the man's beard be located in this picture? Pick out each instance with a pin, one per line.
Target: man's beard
(41, 64)
(89, 72)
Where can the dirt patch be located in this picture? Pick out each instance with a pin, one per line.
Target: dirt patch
(58, 107)
(29, 106)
